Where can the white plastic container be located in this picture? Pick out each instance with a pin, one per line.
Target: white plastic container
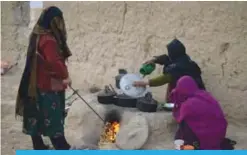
(126, 85)
(178, 143)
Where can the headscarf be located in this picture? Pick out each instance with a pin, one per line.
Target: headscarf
(51, 22)
(200, 111)
(180, 64)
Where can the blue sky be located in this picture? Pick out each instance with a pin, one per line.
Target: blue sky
(36, 4)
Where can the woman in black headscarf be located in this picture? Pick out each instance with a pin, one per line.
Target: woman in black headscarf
(41, 95)
(176, 65)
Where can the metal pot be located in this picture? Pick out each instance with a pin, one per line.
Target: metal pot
(121, 73)
(147, 105)
(168, 106)
(125, 101)
(107, 96)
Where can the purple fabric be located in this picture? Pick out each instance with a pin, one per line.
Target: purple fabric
(200, 111)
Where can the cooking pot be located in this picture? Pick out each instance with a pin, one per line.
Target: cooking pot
(121, 73)
(146, 105)
(123, 100)
(126, 85)
(108, 96)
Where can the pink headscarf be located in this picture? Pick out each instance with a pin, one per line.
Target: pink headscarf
(200, 111)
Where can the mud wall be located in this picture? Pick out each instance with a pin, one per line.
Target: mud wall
(34, 15)
(15, 17)
(105, 36)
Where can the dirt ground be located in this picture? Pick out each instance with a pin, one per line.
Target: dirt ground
(13, 139)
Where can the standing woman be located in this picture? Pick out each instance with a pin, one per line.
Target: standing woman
(41, 94)
(176, 65)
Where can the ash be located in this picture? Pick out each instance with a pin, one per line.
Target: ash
(113, 116)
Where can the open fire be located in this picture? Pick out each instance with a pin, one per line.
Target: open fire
(111, 128)
(110, 132)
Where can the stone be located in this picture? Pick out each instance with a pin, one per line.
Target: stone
(134, 134)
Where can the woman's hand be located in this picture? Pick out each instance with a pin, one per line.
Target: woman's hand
(152, 61)
(140, 84)
(67, 81)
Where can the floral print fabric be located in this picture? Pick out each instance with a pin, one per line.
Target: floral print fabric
(47, 116)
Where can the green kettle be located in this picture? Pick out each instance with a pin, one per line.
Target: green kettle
(147, 69)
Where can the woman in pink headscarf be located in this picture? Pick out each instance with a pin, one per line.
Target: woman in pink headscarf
(200, 117)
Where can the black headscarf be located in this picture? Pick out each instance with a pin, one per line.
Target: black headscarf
(180, 63)
(52, 21)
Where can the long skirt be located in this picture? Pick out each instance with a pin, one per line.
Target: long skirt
(46, 117)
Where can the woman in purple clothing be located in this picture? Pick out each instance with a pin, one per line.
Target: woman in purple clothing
(200, 117)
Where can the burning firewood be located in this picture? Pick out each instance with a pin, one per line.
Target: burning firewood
(111, 127)
(110, 132)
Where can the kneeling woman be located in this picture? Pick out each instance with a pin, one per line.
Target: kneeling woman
(200, 117)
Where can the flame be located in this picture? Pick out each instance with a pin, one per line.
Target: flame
(111, 130)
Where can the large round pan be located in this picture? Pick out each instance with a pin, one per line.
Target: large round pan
(106, 98)
(125, 101)
(147, 105)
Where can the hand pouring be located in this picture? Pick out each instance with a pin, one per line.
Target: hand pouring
(126, 85)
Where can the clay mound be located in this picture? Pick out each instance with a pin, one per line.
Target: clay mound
(84, 127)
(134, 134)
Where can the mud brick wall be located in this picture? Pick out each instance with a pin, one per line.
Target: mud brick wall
(15, 17)
(105, 36)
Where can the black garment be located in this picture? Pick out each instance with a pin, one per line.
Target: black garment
(162, 60)
(181, 64)
(175, 49)
(228, 144)
(184, 132)
(59, 143)
(38, 143)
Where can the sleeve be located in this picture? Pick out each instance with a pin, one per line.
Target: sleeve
(160, 80)
(162, 60)
(53, 60)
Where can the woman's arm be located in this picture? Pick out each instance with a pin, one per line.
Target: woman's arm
(155, 82)
(160, 80)
(161, 60)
